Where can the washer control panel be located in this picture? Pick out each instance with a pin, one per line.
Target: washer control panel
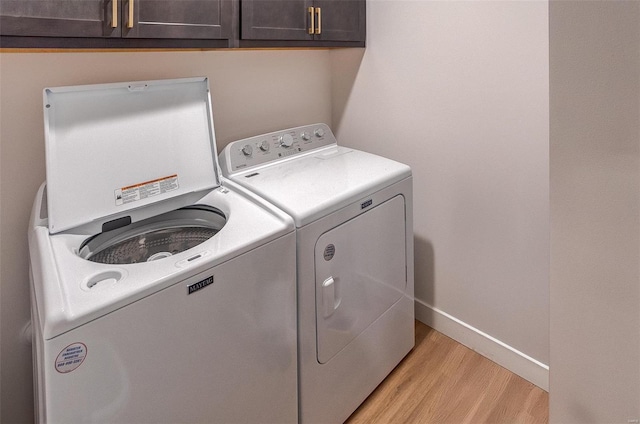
(271, 147)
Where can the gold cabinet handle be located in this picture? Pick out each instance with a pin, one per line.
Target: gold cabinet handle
(130, 20)
(319, 20)
(114, 13)
(312, 17)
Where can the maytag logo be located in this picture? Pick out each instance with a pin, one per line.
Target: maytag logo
(200, 285)
(366, 204)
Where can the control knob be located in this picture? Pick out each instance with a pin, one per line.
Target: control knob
(305, 136)
(247, 150)
(286, 140)
(319, 132)
(264, 146)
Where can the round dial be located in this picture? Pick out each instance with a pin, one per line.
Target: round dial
(305, 136)
(286, 140)
(319, 132)
(264, 146)
(247, 150)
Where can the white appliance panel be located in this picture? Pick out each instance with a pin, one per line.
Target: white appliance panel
(322, 182)
(111, 148)
(225, 353)
(355, 311)
(62, 292)
(205, 332)
(361, 271)
(330, 392)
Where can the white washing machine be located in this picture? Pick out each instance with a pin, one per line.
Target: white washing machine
(353, 213)
(161, 292)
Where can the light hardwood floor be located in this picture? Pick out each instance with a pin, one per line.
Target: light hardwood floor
(442, 381)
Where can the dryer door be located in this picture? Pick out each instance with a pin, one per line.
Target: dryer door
(360, 273)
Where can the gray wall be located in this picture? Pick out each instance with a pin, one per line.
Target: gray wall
(595, 196)
(459, 91)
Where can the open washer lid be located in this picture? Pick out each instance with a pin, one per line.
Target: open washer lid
(112, 148)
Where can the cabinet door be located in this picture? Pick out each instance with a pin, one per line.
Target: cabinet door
(275, 20)
(205, 19)
(59, 18)
(341, 20)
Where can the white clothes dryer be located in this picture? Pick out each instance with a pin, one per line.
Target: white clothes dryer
(160, 291)
(353, 213)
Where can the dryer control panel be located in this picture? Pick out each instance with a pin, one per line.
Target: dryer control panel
(250, 152)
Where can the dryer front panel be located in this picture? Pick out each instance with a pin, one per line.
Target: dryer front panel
(360, 273)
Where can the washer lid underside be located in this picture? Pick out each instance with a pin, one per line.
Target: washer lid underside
(155, 238)
(111, 148)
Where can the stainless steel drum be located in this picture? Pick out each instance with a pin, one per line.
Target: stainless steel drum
(154, 238)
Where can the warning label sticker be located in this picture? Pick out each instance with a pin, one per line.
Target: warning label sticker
(71, 357)
(142, 191)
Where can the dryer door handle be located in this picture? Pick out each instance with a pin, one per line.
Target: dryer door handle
(330, 297)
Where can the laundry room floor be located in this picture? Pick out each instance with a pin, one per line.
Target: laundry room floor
(442, 381)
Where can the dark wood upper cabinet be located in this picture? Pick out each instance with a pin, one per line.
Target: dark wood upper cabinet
(181, 23)
(341, 20)
(275, 19)
(117, 23)
(310, 21)
(60, 18)
(207, 19)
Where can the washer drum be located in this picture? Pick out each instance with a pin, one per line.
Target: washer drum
(155, 238)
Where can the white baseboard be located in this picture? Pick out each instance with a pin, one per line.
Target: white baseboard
(502, 354)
